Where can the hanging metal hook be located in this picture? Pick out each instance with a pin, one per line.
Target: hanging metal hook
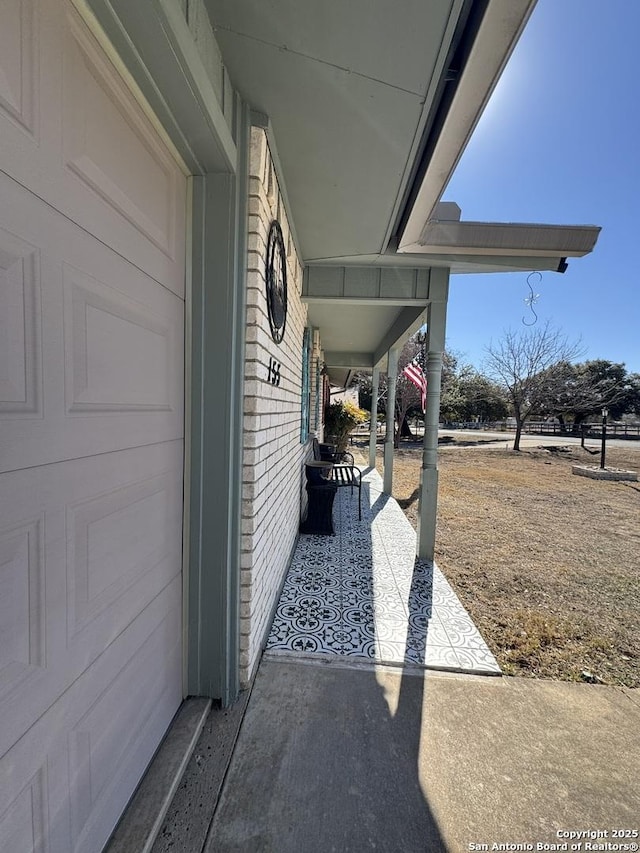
(532, 298)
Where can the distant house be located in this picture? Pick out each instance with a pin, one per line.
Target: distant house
(203, 203)
(344, 395)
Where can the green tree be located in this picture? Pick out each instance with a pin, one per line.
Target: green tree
(482, 399)
(467, 394)
(364, 382)
(451, 399)
(578, 392)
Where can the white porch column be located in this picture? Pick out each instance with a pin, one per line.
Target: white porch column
(375, 382)
(392, 372)
(436, 326)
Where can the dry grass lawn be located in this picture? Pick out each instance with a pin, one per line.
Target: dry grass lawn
(546, 562)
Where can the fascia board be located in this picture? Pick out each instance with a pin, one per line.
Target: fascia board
(349, 360)
(424, 116)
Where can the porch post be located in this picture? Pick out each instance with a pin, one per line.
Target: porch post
(392, 370)
(436, 324)
(373, 434)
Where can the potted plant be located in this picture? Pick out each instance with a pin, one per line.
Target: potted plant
(340, 419)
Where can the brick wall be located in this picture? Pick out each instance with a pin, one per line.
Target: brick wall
(273, 453)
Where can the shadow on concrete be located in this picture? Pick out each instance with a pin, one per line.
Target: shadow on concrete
(378, 505)
(328, 753)
(325, 762)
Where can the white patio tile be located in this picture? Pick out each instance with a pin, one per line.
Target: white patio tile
(429, 632)
(477, 660)
(392, 631)
(438, 657)
(390, 652)
(362, 594)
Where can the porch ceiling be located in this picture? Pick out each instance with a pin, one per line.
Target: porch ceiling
(370, 107)
(357, 97)
(357, 337)
(352, 333)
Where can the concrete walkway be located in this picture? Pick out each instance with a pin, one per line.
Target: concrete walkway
(340, 752)
(337, 759)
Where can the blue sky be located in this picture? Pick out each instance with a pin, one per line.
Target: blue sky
(560, 143)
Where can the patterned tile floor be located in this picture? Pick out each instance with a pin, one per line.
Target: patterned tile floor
(363, 594)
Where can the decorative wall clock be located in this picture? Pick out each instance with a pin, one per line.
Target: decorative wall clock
(276, 280)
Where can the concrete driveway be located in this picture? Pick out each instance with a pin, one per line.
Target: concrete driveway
(337, 759)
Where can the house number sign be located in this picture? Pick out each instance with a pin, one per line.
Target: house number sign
(276, 282)
(273, 372)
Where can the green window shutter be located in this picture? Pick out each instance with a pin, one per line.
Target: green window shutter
(316, 423)
(306, 386)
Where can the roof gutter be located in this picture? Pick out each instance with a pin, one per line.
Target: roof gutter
(507, 239)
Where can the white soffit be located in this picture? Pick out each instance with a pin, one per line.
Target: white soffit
(352, 328)
(349, 88)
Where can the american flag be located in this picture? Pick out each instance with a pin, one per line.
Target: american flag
(414, 373)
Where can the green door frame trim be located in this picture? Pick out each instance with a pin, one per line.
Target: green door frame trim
(217, 358)
(151, 44)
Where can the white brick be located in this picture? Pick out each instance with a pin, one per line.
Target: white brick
(273, 456)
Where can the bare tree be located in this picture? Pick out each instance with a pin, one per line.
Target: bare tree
(525, 363)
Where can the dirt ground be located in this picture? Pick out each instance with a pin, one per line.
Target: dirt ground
(546, 562)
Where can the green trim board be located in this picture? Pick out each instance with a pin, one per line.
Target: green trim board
(154, 41)
(219, 304)
(316, 419)
(305, 403)
(219, 298)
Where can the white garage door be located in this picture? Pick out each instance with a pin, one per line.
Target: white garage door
(91, 434)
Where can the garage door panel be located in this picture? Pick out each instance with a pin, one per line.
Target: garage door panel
(108, 551)
(125, 167)
(22, 585)
(19, 66)
(92, 262)
(24, 824)
(104, 338)
(120, 355)
(77, 565)
(70, 776)
(72, 132)
(20, 328)
(100, 756)
(30, 110)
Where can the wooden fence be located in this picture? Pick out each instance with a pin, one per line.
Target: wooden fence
(590, 430)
